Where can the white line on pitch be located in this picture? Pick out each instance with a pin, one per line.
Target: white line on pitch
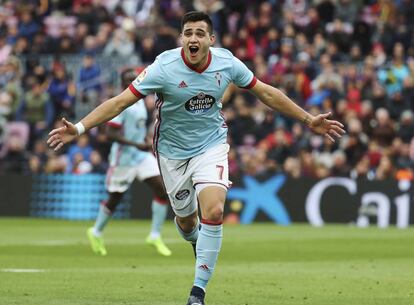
(23, 270)
(82, 242)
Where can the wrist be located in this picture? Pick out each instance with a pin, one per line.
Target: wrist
(307, 120)
(80, 128)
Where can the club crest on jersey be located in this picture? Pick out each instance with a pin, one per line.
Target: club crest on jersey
(200, 103)
(218, 78)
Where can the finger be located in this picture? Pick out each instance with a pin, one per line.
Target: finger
(65, 122)
(58, 147)
(326, 115)
(335, 123)
(330, 138)
(337, 129)
(52, 138)
(54, 143)
(55, 131)
(334, 133)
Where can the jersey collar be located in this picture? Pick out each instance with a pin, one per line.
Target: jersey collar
(198, 70)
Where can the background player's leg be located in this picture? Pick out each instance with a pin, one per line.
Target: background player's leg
(159, 214)
(106, 209)
(211, 200)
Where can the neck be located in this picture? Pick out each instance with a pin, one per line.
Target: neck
(199, 67)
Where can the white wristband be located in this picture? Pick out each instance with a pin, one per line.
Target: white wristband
(80, 128)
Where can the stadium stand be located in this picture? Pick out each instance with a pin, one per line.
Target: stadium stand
(354, 58)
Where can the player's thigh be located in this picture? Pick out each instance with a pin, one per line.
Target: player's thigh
(147, 168)
(211, 181)
(179, 187)
(119, 178)
(211, 198)
(148, 171)
(212, 168)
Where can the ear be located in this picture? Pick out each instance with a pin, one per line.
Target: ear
(212, 39)
(181, 38)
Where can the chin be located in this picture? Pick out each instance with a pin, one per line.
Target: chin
(194, 62)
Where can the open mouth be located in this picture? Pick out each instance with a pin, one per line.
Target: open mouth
(193, 50)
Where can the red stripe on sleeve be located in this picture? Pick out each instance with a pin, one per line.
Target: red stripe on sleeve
(252, 83)
(135, 92)
(114, 124)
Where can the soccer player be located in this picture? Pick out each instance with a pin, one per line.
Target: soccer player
(128, 160)
(190, 135)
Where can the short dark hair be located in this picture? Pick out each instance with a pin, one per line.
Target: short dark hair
(195, 16)
(127, 77)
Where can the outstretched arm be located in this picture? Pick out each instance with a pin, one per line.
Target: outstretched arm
(115, 135)
(278, 101)
(103, 113)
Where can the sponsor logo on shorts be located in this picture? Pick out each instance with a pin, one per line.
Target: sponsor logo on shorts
(200, 103)
(182, 194)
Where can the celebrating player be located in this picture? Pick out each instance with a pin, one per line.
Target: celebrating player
(190, 134)
(128, 160)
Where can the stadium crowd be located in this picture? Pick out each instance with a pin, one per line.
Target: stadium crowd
(352, 58)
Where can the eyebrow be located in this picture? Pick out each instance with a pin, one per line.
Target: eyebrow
(197, 29)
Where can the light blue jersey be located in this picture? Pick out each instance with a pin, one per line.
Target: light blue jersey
(132, 122)
(189, 101)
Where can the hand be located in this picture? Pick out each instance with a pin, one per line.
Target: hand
(60, 136)
(328, 128)
(144, 146)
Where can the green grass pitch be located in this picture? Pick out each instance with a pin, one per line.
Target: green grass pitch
(259, 264)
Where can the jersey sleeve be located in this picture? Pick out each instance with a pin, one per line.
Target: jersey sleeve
(242, 76)
(116, 122)
(149, 81)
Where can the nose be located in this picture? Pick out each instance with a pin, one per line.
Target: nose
(193, 38)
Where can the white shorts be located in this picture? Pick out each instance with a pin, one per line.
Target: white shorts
(119, 178)
(184, 179)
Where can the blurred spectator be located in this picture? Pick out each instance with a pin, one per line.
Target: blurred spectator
(352, 58)
(98, 166)
(340, 167)
(5, 49)
(384, 130)
(62, 92)
(385, 169)
(406, 127)
(393, 77)
(362, 170)
(244, 127)
(148, 49)
(346, 10)
(17, 158)
(79, 152)
(121, 44)
(36, 109)
(278, 144)
(89, 75)
(292, 167)
(28, 27)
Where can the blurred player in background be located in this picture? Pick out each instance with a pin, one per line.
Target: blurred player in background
(191, 134)
(129, 159)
